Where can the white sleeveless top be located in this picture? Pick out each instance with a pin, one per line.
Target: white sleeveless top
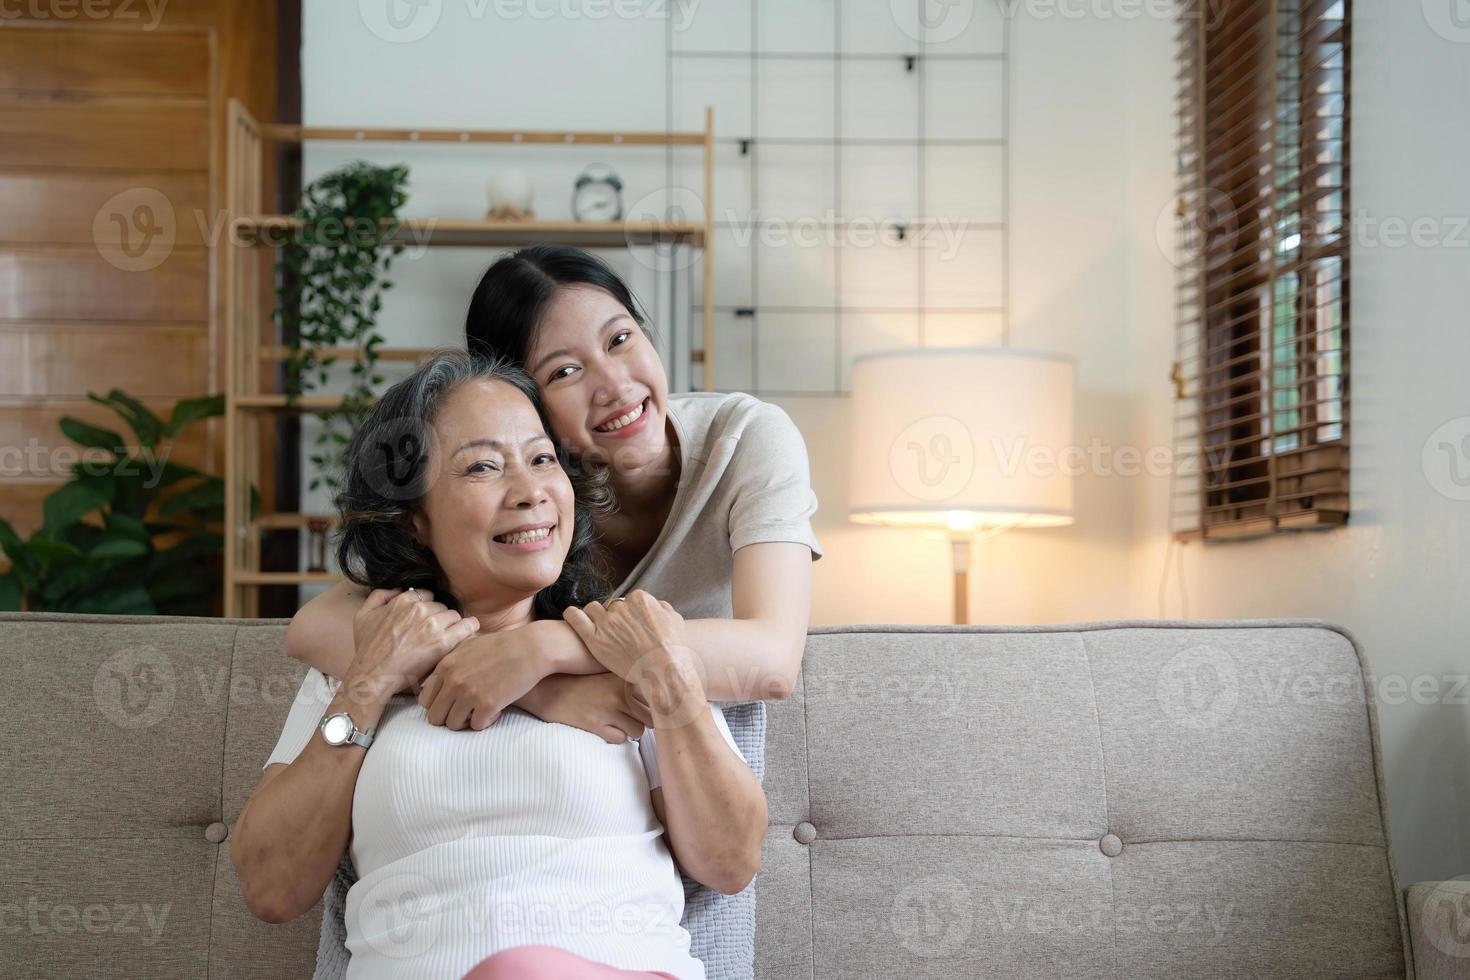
(467, 843)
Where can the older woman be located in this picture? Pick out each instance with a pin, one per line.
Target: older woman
(528, 848)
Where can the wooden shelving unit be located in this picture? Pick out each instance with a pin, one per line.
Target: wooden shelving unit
(250, 343)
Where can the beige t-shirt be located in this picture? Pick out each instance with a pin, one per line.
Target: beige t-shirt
(744, 479)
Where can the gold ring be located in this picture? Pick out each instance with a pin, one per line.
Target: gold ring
(617, 599)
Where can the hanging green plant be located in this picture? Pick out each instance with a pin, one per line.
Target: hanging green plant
(329, 293)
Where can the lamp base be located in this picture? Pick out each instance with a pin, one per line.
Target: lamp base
(959, 543)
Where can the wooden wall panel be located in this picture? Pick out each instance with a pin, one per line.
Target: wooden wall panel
(70, 360)
(106, 62)
(104, 134)
(78, 283)
(63, 208)
(99, 100)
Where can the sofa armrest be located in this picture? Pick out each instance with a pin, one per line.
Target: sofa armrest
(1439, 928)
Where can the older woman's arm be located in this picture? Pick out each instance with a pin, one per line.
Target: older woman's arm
(710, 803)
(297, 822)
(296, 825)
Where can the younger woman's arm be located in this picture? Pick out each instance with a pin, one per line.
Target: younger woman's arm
(754, 656)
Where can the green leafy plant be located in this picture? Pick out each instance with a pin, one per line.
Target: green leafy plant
(130, 532)
(329, 293)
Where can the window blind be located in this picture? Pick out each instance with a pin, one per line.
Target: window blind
(1262, 247)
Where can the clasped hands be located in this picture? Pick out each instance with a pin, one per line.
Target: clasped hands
(469, 679)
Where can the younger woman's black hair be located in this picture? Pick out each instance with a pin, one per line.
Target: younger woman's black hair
(389, 471)
(506, 309)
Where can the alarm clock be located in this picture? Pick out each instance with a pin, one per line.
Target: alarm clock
(598, 195)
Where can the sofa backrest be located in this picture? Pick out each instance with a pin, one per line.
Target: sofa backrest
(1135, 799)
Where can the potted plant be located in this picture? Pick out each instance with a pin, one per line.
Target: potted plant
(131, 531)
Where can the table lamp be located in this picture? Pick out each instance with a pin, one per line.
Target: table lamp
(969, 439)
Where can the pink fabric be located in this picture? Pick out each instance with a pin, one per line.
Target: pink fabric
(539, 962)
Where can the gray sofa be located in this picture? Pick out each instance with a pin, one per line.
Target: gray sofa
(1121, 800)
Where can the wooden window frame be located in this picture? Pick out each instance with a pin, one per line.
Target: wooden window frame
(1263, 246)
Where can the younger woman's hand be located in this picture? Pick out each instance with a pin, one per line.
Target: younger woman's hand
(641, 639)
(598, 703)
(620, 634)
(400, 636)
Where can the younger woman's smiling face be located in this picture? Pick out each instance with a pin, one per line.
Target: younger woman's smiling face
(600, 377)
(499, 511)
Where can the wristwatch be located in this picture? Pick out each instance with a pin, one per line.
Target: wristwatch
(339, 729)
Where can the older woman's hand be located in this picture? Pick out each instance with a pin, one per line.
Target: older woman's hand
(641, 639)
(401, 636)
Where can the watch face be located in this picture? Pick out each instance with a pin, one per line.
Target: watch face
(337, 729)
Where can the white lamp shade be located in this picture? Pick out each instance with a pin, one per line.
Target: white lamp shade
(961, 437)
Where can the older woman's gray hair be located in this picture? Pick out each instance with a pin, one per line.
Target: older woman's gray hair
(389, 470)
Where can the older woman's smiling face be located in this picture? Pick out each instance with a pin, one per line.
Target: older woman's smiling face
(499, 510)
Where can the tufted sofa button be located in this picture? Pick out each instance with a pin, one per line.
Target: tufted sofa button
(216, 833)
(805, 832)
(1111, 844)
